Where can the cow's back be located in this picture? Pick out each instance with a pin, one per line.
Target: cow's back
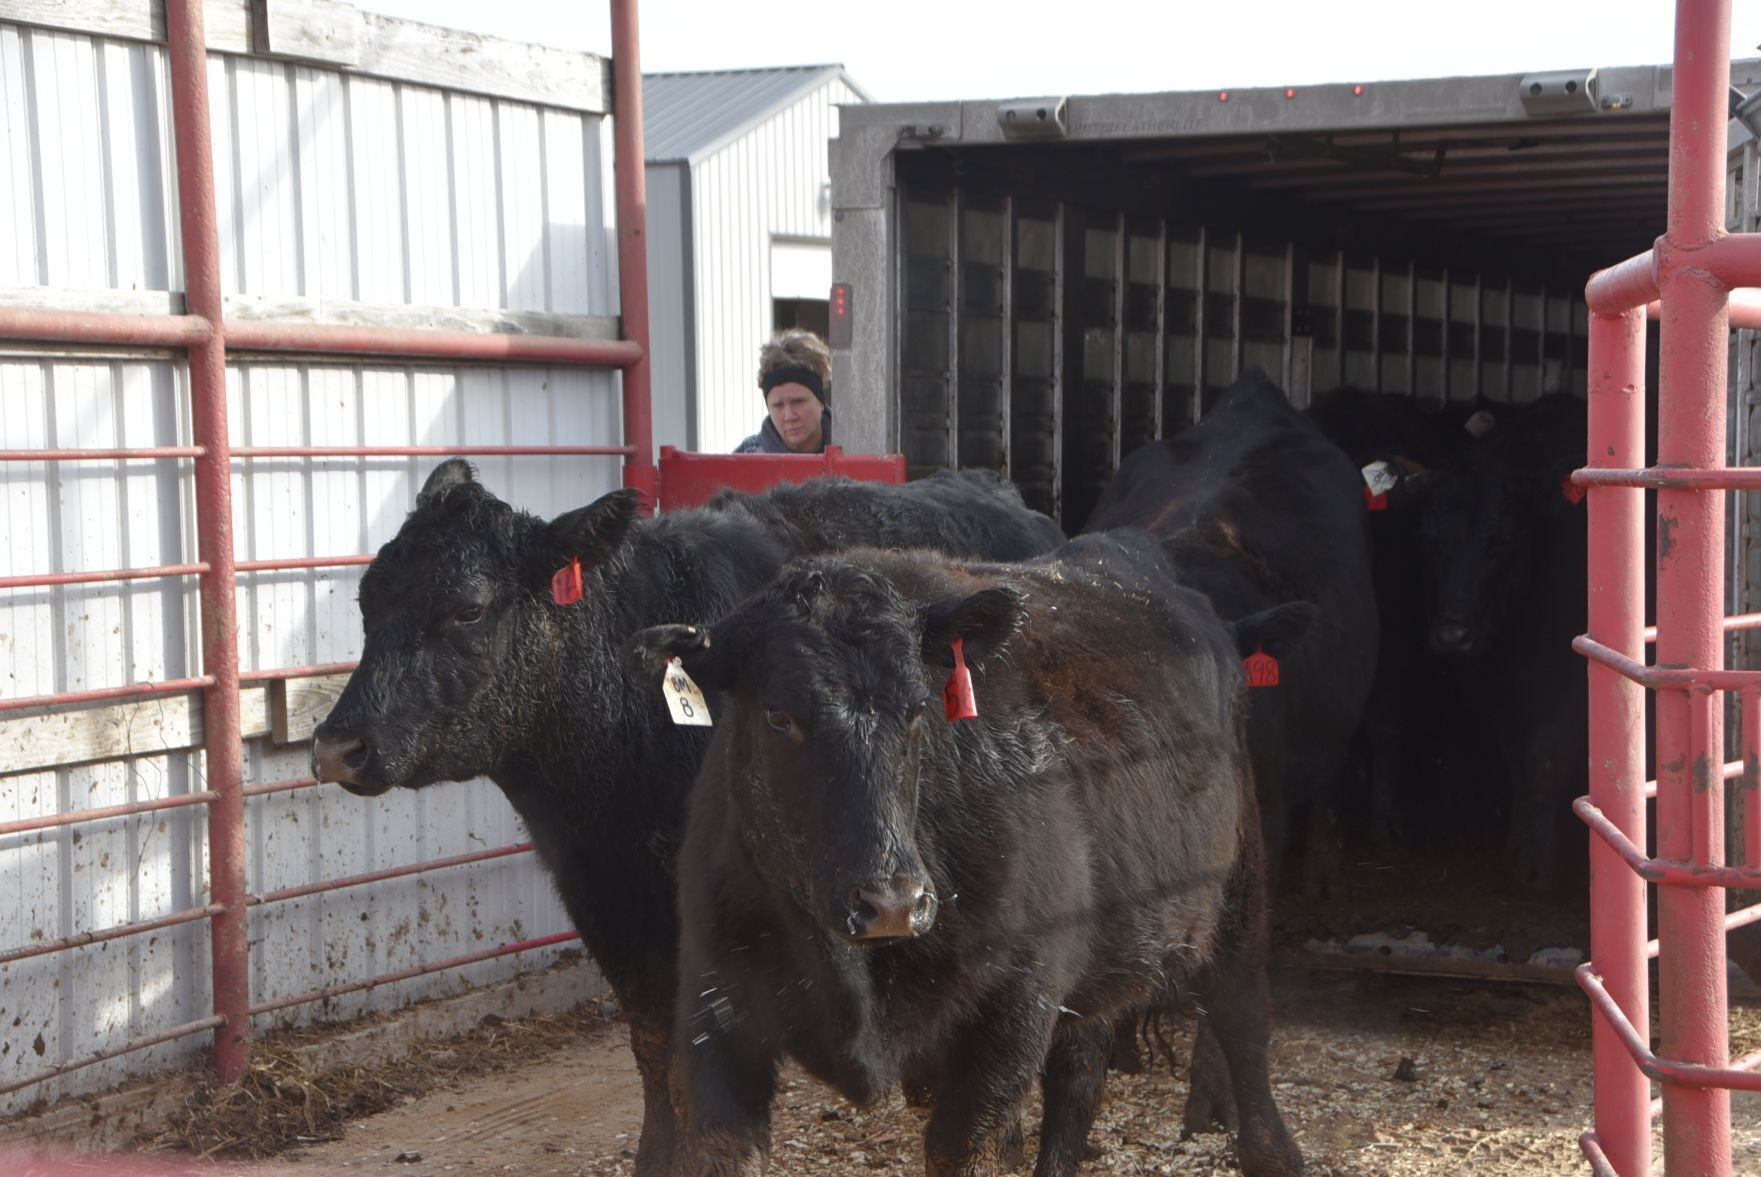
(973, 513)
(1257, 508)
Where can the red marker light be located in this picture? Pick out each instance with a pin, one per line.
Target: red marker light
(1290, 93)
(1357, 90)
(1223, 96)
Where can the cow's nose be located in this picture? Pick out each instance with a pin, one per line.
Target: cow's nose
(337, 757)
(1451, 637)
(890, 911)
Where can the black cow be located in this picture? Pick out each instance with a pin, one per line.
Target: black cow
(1256, 508)
(889, 896)
(1504, 553)
(1410, 717)
(471, 669)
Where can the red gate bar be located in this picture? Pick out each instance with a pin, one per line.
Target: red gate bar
(215, 1022)
(79, 817)
(163, 451)
(170, 686)
(417, 971)
(396, 872)
(80, 939)
(1617, 719)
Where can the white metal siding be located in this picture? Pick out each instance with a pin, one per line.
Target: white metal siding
(769, 183)
(330, 187)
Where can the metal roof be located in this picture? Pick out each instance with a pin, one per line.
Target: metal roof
(686, 116)
(1467, 158)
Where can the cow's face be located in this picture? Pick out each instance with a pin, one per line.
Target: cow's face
(459, 635)
(1478, 536)
(829, 701)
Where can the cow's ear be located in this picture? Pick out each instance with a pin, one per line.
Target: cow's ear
(649, 650)
(450, 473)
(592, 533)
(985, 621)
(1276, 630)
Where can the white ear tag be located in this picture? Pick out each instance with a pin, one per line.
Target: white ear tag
(1481, 423)
(1380, 477)
(683, 698)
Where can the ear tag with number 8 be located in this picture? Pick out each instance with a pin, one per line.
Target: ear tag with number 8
(683, 698)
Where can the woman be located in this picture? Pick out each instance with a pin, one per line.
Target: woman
(794, 372)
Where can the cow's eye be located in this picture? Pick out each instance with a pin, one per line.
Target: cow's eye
(780, 721)
(468, 614)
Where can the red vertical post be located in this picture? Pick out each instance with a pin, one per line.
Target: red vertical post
(1694, 337)
(631, 184)
(1617, 730)
(222, 743)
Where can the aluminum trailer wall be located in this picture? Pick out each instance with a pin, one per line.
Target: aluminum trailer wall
(343, 197)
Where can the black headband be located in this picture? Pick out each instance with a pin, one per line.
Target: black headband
(793, 374)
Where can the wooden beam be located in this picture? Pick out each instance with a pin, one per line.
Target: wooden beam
(310, 30)
(285, 711)
(354, 42)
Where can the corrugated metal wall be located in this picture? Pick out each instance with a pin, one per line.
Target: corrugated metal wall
(767, 184)
(330, 187)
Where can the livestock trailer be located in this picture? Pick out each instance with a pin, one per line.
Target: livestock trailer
(1040, 285)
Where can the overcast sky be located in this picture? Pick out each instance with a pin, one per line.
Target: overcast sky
(913, 50)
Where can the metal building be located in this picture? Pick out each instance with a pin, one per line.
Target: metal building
(368, 172)
(740, 228)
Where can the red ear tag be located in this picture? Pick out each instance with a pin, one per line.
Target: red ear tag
(1374, 501)
(565, 586)
(957, 691)
(1261, 667)
(1573, 493)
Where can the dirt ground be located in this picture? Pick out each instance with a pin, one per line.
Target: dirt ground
(1375, 1075)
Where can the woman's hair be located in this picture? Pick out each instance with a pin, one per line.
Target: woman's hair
(795, 347)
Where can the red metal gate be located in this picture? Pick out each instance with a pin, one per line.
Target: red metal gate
(203, 334)
(1690, 273)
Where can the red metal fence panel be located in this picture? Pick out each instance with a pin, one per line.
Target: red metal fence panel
(1690, 274)
(205, 337)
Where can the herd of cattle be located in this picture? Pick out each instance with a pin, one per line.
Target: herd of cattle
(841, 872)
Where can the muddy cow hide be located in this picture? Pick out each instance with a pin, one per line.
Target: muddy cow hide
(1503, 536)
(890, 896)
(1256, 508)
(470, 668)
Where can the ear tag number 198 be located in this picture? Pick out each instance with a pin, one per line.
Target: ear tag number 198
(683, 698)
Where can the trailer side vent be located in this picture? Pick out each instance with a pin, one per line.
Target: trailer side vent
(1568, 91)
(1033, 118)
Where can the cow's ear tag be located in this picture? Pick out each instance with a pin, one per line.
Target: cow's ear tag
(1481, 423)
(1261, 667)
(957, 691)
(565, 585)
(683, 697)
(1574, 494)
(1379, 479)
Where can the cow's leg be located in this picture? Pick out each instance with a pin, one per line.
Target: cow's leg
(981, 1093)
(1074, 1082)
(658, 1153)
(1538, 805)
(1238, 1011)
(1210, 1101)
(728, 1083)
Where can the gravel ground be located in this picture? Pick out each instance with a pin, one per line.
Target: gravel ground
(1375, 1075)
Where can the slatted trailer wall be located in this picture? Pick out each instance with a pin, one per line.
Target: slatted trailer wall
(1047, 339)
(1039, 285)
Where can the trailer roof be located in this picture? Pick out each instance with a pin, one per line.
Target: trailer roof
(1571, 161)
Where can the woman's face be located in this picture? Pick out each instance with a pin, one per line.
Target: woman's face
(796, 413)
